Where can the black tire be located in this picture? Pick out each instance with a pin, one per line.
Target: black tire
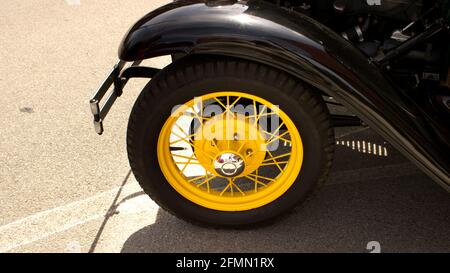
(190, 77)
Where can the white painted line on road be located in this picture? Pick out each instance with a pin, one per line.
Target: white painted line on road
(50, 222)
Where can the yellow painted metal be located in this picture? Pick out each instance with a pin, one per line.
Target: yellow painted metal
(229, 132)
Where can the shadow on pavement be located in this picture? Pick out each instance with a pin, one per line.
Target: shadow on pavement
(403, 211)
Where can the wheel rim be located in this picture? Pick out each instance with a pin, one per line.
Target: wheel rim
(230, 151)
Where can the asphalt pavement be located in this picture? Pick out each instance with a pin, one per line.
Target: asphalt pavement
(65, 189)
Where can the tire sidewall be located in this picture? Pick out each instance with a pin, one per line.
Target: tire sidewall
(147, 130)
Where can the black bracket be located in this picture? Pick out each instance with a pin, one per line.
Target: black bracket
(119, 79)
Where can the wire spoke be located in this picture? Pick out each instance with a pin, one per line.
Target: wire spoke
(255, 111)
(181, 139)
(206, 182)
(263, 177)
(274, 162)
(238, 188)
(230, 106)
(260, 113)
(187, 163)
(197, 178)
(256, 180)
(274, 132)
(195, 147)
(279, 137)
(226, 126)
(216, 99)
(183, 156)
(181, 129)
(276, 157)
(242, 146)
(225, 189)
(274, 136)
(256, 184)
(200, 118)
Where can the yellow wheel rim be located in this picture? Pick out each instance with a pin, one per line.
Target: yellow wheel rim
(230, 151)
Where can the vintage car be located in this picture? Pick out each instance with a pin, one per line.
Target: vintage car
(237, 130)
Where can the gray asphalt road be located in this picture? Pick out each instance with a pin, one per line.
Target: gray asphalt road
(64, 189)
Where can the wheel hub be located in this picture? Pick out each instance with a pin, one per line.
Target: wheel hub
(229, 165)
(230, 145)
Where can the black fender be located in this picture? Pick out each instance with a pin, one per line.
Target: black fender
(299, 45)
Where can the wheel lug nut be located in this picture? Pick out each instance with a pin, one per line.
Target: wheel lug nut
(249, 151)
(236, 137)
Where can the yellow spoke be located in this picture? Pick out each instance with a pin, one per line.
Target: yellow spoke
(272, 136)
(182, 156)
(259, 116)
(262, 115)
(206, 182)
(227, 110)
(274, 162)
(192, 163)
(197, 178)
(201, 114)
(197, 149)
(256, 180)
(181, 129)
(279, 137)
(220, 102)
(275, 132)
(230, 106)
(200, 118)
(277, 157)
(235, 101)
(255, 111)
(183, 139)
(230, 181)
(263, 177)
(194, 115)
(179, 140)
(242, 146)
(256, 184)
(237, 187)
(224, 190)
(187, 163)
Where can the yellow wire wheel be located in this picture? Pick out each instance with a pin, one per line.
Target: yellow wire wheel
(230, 151)
(229, 143)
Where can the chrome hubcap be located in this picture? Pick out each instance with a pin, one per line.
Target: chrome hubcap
(229, 165)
